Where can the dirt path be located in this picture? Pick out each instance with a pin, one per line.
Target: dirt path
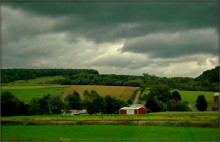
(137, 97)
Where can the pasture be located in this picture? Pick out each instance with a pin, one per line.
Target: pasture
(37, 81)
(191, 96)
(26, 93)
(107, 133)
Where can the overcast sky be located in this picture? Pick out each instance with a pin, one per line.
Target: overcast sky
(159, 38)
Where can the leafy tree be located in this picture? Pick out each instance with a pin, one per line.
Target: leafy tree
(112, 104)
(93, 102)
(201, 103)
(176, 105)
(11, 105)
(74, 100)
(152, 105)
(161, 92)
(35, 108)
(55, 104)
(176, 95)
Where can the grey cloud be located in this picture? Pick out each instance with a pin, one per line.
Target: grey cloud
(172, 45)
(101, 22)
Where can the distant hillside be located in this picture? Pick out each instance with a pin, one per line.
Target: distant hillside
(208, 81)
(211, 76)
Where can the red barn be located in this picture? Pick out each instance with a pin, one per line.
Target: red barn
(133, 109)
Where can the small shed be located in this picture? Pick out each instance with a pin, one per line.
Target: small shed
(133, 109)
(215, 106)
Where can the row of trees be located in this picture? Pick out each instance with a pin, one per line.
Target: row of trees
(50, 104)
(207, 81)
(161, 99)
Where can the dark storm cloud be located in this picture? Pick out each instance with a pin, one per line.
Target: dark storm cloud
(166, 45)
(108, 21)
(113, 37)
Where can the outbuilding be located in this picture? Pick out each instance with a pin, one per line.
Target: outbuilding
(133, 109)
(215, 106)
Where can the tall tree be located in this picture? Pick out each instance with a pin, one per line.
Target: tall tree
(201, 103)
(176, 95)
(74, 100)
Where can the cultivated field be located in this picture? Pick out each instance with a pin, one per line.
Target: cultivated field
(107, 132)
(120, 92)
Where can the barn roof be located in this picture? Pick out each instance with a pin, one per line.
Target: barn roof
(134, 106)
(216, 94)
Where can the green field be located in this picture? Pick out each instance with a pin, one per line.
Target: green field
(191, 96)
(107, 132)
(27, 89)
(26, 93)
(37, 81)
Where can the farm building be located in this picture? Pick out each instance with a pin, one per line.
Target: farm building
(133, 109)
(215, 106)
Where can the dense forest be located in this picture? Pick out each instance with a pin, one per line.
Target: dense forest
(208, 80)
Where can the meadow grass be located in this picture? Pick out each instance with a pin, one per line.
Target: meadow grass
(38, 80)
(210, 118)
(26, 93)
(107, 133)
(191, 96)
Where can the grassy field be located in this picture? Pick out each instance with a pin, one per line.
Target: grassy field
(120, 92)
(107, 132)
(26, 93)
(196, 119)
(36, 81)
(191, 96)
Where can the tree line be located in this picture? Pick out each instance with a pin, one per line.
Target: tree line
(53, 104)
(160, 98)
(208, 81)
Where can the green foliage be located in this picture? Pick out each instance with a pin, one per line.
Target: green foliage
(113, 104)
(177, 105)
(210, 75)
(74, 101)
(201, 103)
(55, 104)
(11, 105)
(161, 92)
(176, 95)
(151, 105)
(93, 102)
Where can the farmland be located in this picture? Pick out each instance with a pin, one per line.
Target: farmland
(107, 132)
(120, 92)
(26, 93)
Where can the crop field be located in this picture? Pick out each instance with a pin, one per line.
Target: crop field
(106, 133)
(120, 92)
(26, 93)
